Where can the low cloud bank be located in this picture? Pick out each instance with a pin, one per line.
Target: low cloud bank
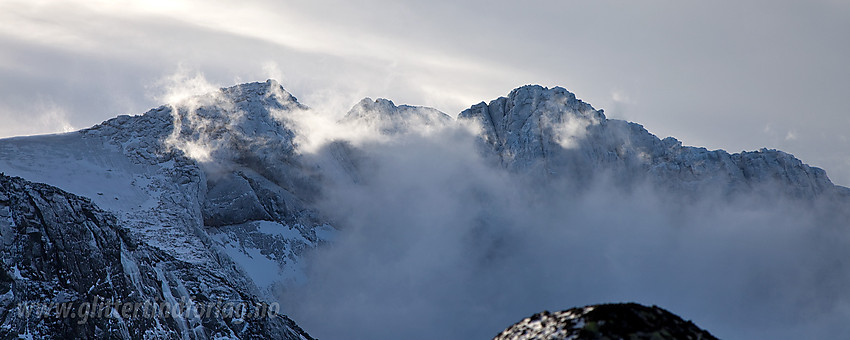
(438, 241)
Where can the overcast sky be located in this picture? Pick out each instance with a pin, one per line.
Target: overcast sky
(737, 75)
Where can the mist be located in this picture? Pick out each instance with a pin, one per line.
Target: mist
(439, 241)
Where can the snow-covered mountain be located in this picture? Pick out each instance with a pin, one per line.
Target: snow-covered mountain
(218, 196)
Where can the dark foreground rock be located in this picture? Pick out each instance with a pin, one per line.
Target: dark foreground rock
(608, 321)
(68, 270)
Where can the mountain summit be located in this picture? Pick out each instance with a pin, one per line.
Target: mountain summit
(552, 132)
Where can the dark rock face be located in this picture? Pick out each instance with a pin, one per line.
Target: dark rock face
(63, 253)
(608, 321)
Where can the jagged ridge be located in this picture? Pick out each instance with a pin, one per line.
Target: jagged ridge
(551, 132)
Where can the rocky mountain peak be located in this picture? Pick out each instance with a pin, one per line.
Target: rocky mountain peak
(209, 127)
(269, 93)
(368, 106)
(389, 118)
(531, 111)
(550, 133)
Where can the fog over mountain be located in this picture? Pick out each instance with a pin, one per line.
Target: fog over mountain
(399, 221)
(437, 229)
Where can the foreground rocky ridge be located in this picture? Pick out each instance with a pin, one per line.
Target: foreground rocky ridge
(69, 270)
(607, 321)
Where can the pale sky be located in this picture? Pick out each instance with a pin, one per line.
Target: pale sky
(737, 75)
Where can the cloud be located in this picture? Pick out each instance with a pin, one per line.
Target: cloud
(273, 71)
(791, 135)
(54, 118)
(45, 117)
(184, 92)
(620, 97)
(184, 87)
(571, 131)
(437, 241)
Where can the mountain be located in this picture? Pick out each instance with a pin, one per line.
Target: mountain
(219, 197)
(608, 321)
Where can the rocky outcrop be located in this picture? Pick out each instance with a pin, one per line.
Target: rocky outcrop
(608, 321)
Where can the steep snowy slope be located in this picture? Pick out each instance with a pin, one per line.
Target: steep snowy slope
(67, 270)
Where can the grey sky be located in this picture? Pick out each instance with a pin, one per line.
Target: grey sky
(722, 74)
